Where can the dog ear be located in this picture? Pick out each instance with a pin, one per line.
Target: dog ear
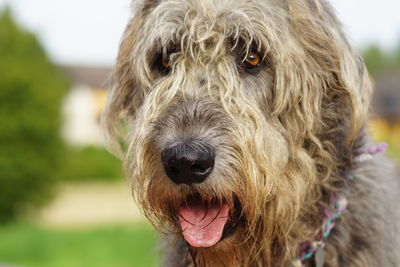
(348, 86)
(121, 96)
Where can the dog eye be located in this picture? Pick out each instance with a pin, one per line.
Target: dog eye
(252, 60)
(165, 61)
(251, 63)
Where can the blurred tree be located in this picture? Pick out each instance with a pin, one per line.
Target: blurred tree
(31, 92)
(377, 61)
(397, 55)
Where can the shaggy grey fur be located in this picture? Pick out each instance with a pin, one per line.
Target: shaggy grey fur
(276, 90)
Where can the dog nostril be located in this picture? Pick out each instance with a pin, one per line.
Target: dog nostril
(188, 163)
(200, 169)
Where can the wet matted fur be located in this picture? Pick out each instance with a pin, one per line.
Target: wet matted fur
(285, 133)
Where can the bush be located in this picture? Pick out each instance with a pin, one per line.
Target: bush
(31, 92)
(379, 61)
(90, 163)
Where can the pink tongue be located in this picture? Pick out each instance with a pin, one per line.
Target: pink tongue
(202, 225)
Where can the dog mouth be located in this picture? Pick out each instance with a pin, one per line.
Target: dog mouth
(205, 223)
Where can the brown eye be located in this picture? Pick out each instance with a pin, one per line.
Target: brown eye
(165, 63)
(251, 64)
(252, 60)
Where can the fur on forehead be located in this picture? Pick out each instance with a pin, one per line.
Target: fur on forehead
(194, 26)
(308, 51)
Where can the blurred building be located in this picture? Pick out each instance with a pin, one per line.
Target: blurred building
(386, 101)
(83, 104)
(385, 123)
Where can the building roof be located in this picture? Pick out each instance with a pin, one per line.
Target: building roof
(95, 77)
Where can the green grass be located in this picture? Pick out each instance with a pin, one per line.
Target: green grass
(114, 246)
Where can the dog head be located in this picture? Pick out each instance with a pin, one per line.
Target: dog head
(235, 117)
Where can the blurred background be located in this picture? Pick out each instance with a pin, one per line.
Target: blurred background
(63, 198)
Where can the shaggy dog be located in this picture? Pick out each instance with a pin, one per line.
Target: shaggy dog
(243, 129)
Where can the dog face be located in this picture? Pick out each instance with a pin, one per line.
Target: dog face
(233, 114)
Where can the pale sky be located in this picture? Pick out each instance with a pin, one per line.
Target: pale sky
(88, 31)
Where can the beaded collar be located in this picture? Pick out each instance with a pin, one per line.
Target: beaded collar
(338, 204)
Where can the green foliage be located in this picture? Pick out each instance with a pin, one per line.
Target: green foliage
(379, 61)
(397, 55)
(90, 163)
(375, 59)
(31, 91)
(117, 246)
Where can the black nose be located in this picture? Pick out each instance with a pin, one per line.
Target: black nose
(188, 163)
